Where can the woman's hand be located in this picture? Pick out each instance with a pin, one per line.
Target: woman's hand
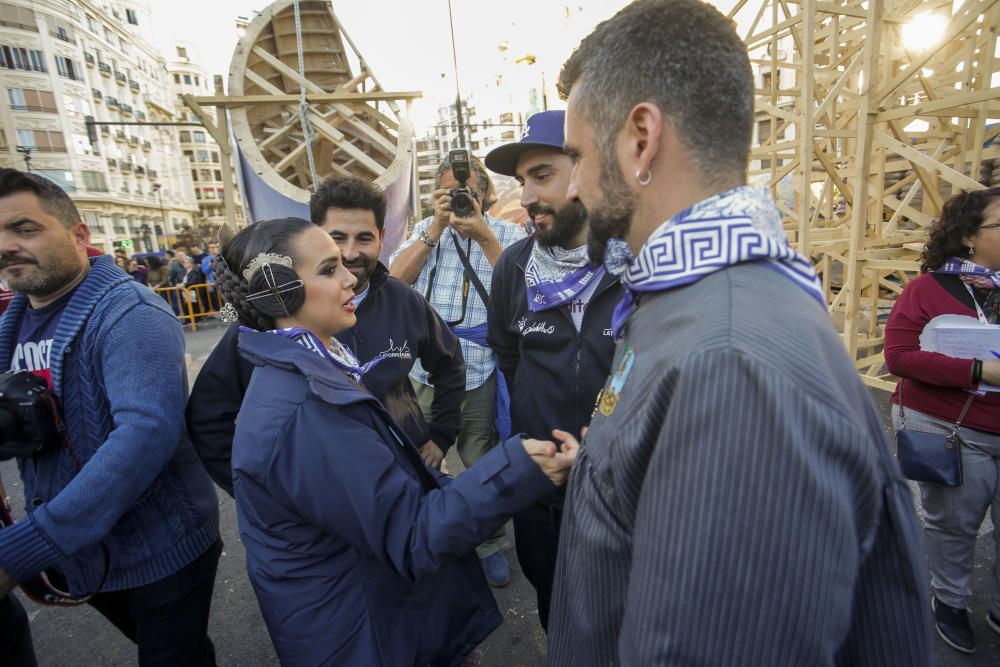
(554, 460)
(991, 372)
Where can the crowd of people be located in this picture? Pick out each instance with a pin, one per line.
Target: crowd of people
(648, 385)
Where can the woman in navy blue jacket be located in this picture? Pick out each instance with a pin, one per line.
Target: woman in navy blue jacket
(358, 553)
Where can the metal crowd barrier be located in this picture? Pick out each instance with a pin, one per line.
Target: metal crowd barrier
(192, 303)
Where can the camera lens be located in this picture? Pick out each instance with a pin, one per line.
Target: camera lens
(461, 205)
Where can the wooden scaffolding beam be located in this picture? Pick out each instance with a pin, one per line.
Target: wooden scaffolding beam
(865, 126)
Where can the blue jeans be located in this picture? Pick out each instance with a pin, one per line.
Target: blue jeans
(167, 619)
(16, 649)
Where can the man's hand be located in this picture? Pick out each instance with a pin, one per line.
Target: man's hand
(6, 583)
(474, 227)
(554, 460)
(442, 213)
(432, 455)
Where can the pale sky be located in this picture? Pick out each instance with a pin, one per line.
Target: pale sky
(407, 42)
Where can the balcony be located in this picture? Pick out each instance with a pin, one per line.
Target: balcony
(19, 26)
(104, 68)
(120, 137)
(125, 167)
(89, 58)
(112, 163)
(61, 34)
(112, 102)
(98, 95)
(152, 174)
(133, 141)
(34, 108)
(146, 146)
(140, 172)
(140, 115)
(126, 109)
(133, 86)
(120, 78)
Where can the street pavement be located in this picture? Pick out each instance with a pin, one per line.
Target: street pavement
(81, 636)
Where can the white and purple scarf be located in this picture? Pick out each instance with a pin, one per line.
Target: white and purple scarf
(335, 352)
(554, 275)
(971, 273)
(736, 226)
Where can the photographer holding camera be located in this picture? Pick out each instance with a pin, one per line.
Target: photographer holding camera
(119, 506)
(449, 259)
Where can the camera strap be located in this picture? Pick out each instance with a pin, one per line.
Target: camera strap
(470, 273)
(39, 588)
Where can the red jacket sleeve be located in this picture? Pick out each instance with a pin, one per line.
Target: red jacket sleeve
(921, 301)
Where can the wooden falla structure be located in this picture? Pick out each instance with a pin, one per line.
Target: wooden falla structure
(304, 105)
(869, 116)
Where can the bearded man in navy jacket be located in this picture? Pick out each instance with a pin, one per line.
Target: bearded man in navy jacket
(395, 326)
(123, 508)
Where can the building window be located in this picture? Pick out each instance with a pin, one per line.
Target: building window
(206, 174)
(177, 78)
(42, 141)
(182, 52)
(63, 179)
(194, 175)
(131, 17)
(196, 81)
(94, 181)
(507, 117)
(199, 137)
(92, 24)
(215, 156)
(14, 57)
(187, 79)
(202, 156)
(185, 137)
(68, 68)
(189, 155)
(21, 18)
(218, 174)
(26, 99)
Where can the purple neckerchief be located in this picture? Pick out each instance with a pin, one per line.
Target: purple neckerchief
(546, 295)
(736, 226)
(340, 356)
(983, 278)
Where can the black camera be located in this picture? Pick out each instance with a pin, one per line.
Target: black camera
(461, 197)
(28, 415)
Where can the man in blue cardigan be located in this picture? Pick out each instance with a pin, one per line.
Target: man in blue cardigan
(124, 508)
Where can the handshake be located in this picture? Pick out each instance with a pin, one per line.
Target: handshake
(554, 459)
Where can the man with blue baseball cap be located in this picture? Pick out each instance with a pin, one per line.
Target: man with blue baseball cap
(549, 323)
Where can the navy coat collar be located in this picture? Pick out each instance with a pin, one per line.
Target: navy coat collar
(324, 379)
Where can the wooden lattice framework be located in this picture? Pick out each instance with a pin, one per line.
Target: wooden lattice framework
(889, 128)
(357, 128)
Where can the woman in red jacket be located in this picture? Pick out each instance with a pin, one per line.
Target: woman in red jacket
(960, 276)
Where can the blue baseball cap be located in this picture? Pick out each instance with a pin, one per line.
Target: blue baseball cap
(544, 130)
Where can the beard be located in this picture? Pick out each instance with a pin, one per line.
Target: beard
(362, 268)
(566, 224)
(612, 218)
(37, 279)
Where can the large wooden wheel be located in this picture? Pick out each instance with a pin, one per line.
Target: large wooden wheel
(369, 138)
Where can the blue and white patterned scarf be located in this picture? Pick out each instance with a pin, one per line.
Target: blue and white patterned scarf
(971, 273)
(336, 352)
(732, 227)
(554, 276)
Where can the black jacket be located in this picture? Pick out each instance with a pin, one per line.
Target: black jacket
(554, 373)
(393, 319)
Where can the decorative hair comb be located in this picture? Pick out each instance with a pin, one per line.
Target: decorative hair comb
(263, 259)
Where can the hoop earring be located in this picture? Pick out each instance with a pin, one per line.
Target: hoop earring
(648, 179)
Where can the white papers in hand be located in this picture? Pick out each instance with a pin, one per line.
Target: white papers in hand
(962, 337)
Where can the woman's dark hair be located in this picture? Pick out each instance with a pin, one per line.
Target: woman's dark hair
(267, 236)
(154, 262)
(960, 218)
